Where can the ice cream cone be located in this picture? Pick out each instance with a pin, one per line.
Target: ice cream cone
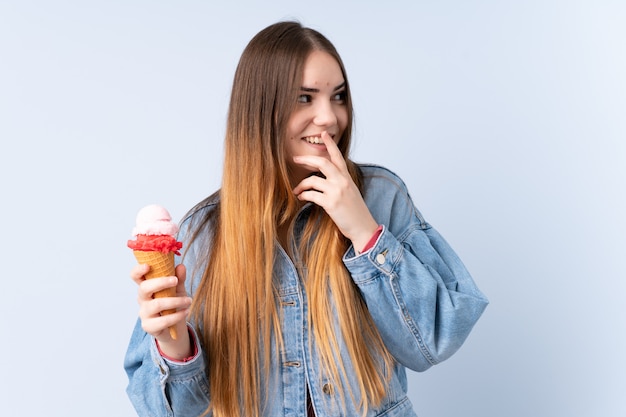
(161, 265)
(156, 246)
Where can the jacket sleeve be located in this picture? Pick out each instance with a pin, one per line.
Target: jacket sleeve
(158, 387)
(420, 295)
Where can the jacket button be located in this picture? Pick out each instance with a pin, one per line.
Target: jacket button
(380, 258)
(327, 389)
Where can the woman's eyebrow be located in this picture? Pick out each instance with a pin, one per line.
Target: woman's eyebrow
(340, 86)
(316, 90)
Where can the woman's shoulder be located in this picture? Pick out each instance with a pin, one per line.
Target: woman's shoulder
(388, 198)
(381, 178)
(201, 215)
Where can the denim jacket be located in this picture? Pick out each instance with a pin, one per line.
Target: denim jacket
(421, 297)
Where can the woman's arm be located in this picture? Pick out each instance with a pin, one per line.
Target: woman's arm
(166, 376)
(419, 293)
(159, 387)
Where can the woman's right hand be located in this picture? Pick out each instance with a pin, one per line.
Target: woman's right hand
(150, 309)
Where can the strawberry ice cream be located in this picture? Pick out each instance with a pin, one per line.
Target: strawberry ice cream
(155, 244)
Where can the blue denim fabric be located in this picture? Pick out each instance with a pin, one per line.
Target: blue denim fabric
(421, 297)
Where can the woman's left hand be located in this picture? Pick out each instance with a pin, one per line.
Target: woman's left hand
(337, 194)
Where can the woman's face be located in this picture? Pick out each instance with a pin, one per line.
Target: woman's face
(321, 108)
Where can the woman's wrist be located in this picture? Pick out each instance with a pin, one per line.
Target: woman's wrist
(373, 239)
(364, 242)
(181, 350)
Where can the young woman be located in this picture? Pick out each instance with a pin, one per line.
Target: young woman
(314, 281)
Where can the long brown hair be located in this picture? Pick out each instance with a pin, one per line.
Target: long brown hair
(235, 304)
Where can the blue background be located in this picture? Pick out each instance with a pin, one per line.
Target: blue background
(505, 118)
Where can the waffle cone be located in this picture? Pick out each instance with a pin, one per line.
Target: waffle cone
(161, 265)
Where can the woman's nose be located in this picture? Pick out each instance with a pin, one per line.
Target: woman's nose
(325, 115)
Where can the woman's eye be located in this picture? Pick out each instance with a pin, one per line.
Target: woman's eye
(304, 98)
(341, 96)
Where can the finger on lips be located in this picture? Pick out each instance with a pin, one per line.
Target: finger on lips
(331, 146)
(333, 150)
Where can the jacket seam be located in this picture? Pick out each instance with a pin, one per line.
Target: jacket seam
(397, 293)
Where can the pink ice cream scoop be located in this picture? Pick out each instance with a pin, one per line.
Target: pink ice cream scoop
(155, 231)
(156, 246)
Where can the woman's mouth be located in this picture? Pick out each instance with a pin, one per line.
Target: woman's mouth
(315, 140)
